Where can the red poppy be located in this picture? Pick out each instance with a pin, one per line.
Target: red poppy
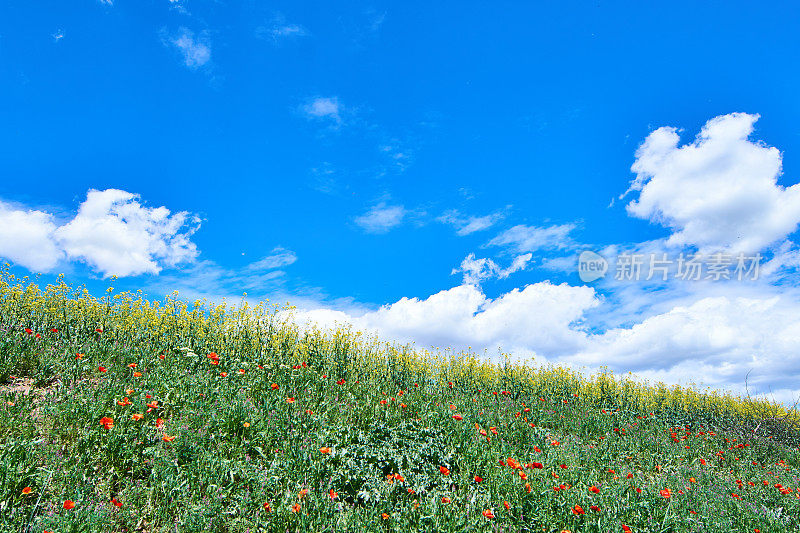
(478, 479)
(488, 514)
(137, 416)
(116, 502)
(578, 509)
(666, 493)
(101, 369)
(325, 450)
(290, 400)
(295, 508)
(445, 471)
(274, 386)
(594, 489)
(69, 504)
(458, 417)
(333, 494)
(507, 505)
(266, 506)
(445, 499)
(167, 438)
(132, 365)
(107, 422)
(26, 490)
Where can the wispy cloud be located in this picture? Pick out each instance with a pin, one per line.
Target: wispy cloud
(323, 108)
(381, 217)
(522, 238)
(477, 270)
(195, 50)
(470, 224)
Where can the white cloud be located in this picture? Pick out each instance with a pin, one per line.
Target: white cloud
(285, 31)
(477, 270)
(536, 319)
(26, 238)
(279, 257)
(196, 51)
(470, 224)
(116, 235)
(323, 108)
(381, 218)
(112, 232)
(524, 238)
(718, 192)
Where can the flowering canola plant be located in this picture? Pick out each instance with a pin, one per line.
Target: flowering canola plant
(122, 414)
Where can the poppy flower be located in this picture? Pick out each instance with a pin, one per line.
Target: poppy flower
(132, 365)
(325, 450)
(137, 416)
(241, 370)
(445, 499)
(274, 386)
(295, 508)
(101, 369)
(153, 404)
(79, 356)
(478, 479)
(594, 508)
(290, 400)
(594, 489)
(29, 331)
(123, 402)
(385, 516)
(116, 502)
(666, 493)
(223, 374)
(507, 505)
(69, 504)
(246, 424)
(137, 374)
(458, 417)
(488, 514)
(107, 422)
(333, 494)
(528, 487)
(54, 330)
(167, 438)
(266, 506)
(445, 471)
(302, 494)
(26, 490)
(399, 477)
(578, 509)
(159, 422)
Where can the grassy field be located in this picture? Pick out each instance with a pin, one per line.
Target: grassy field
(121, 414)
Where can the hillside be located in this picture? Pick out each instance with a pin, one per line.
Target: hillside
(122, 414)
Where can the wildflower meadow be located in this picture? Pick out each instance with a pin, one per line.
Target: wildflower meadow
(120, 414)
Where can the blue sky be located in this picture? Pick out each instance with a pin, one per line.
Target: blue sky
(429, 172)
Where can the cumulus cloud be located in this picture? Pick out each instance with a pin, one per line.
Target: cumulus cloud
(196, 50)
(540, 318)
(477, 270)
(112, 232)
(381, 217)
(26, 238)
(469, 224)
(719, 191)
(522, 238)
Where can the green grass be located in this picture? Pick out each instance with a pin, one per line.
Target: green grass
(236, 443)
